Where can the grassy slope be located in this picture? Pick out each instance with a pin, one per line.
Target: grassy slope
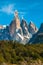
(13, 52)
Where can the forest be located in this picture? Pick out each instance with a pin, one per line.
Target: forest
(14, 52)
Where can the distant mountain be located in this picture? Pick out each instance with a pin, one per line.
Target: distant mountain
(4, 34)
(19, 31)
(32, 28)
(2, 26)
(38, 37)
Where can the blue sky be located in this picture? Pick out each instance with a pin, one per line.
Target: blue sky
(29, 9)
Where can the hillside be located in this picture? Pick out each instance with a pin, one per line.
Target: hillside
(14, 53)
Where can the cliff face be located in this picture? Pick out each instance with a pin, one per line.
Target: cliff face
(12, 28)
(24, 27)
(15, 25)
(38, 37)
(32, 28)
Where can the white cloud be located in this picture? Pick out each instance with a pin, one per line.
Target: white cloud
(8, 9)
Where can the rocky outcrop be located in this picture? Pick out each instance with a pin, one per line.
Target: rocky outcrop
(15, 25)
(24, 27)
(32, 28)
(38, 37)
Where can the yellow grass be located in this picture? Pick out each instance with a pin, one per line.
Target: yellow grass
(11, 64)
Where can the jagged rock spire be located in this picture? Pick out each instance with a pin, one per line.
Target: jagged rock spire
(32, 28)
(15, 24)
(16, 14)
(38, 37)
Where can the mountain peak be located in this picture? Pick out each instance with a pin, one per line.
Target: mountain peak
(32, 28)
(24, 23)
(16, 14)
(32, 24)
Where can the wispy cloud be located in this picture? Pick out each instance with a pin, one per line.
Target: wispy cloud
(8, 9)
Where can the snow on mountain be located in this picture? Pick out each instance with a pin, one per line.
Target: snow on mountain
(20, 36)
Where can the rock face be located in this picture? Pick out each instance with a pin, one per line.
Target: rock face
(24, 27)
(32, 28)
(17, 20)
(15, 25)
(15, 29)
(38, 37)
(26, 33)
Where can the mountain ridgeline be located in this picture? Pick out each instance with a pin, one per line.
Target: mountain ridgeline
(21, 31)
